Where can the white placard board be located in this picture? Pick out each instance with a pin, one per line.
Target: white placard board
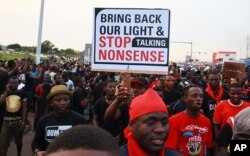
(131, 40)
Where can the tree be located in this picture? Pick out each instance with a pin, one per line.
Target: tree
(16, 47)
(29, 49)
(55, 50)
(47, 46)
(68, 51)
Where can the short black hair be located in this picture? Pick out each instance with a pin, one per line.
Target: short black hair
(214, 72)
(185, 91)
(235, 85)
(85, 137)
(108, 81)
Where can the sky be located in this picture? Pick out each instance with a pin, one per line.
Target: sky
(211, 25)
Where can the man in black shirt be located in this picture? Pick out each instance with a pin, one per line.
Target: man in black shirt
(14, 103)
(53, 124)
(101, 106)
(118, 109)
(171, 94)
(213, 94)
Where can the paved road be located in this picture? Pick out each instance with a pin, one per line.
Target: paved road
(27, 139)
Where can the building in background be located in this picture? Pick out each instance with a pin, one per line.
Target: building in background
(223, 56)
(87, 54)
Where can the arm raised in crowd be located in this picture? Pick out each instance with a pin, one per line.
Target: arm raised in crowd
(113, 112)
(40, 71)
(4, 95)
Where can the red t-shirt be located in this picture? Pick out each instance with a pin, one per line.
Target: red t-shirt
(226, 109)
(39, 90)
(190, 136)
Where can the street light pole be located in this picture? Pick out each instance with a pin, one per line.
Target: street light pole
(40, 28)
(191, 44)
(191, 50)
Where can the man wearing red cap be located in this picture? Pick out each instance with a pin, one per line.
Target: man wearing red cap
(148, 127)
(118, 109)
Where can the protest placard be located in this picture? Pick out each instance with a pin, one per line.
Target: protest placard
(233, 70)
(131, 40)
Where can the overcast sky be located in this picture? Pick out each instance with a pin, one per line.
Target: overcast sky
(211, 25)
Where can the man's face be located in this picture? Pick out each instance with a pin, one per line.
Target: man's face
(138, 89)
(235, 95)
(82, 82)
(59, 79)
(47, 78)
(151, 131)
(195, 78)
(194, 98)
(60, 103)
(226, 83)
(169, 81)
(13, 84)
(110, 88)
(214, 80)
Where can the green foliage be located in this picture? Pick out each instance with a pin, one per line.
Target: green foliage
(55, 50)
(16, 46)
(7, 57)
(47, 46)
(67, 51)
(29, 49)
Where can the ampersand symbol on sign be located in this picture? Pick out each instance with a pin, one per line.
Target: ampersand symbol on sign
(160, 32)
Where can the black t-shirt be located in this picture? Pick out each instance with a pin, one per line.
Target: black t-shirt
(124, 109)
(15, 101)
(223, 139)
(177, 107)
(209, 104)
(42, 105)
(111, 126)
(77, 97)
(3, 82)
(169, 97)
(30, 82)
(98, 91)
(52, 125)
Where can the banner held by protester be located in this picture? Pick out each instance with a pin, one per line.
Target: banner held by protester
(131, 40)
(233, 70)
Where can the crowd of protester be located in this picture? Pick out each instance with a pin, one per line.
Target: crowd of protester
(189, 111)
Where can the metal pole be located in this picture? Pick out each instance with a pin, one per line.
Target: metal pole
(191, 50)
(40, 27)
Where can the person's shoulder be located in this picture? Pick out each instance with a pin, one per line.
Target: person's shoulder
(100, 100)
(222, 103)
(46, 118)
(76, 114)
(204, 118)
(177, 116)
(247, 104)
